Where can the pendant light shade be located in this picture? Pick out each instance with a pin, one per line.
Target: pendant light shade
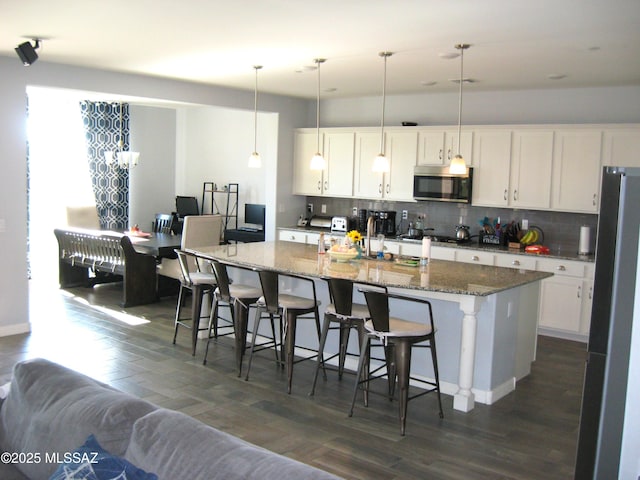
(254, 159)
(381, 163)
(317, 161)
(458, 164)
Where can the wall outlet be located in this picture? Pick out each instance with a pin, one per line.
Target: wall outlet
(309, 207)
(525, 224)
(354, 211)
(405, 214)
(323, 208)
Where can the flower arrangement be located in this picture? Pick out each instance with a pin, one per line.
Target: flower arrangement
(354, 236)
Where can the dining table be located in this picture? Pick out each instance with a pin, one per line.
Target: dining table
(503, 299)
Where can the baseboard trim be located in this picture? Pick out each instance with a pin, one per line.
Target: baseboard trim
(15, 329)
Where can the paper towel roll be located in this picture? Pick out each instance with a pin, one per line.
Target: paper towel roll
(426, 247)
(585, 241)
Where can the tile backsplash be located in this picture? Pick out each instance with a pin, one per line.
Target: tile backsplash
(561, 229)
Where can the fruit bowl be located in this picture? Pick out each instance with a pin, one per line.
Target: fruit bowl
(340, 256)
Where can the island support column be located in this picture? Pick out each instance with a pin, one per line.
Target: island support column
(464, 400)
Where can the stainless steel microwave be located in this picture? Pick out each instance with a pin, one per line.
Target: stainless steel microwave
(437, 184)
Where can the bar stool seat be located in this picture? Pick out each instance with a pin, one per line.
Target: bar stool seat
(401, 336)
(199, 282)
(288, 309)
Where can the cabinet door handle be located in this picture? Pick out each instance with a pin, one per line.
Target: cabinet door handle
(515, 195)
(319, 184)
(590, 293)
(475, 258)
(387, 188)
(579, 290)
(380, 188)
(326, 185)
(440, 154)
(516, 263)
(561, 268)
(595, 195)
(449, 154)
(293, 237)
(505, 193)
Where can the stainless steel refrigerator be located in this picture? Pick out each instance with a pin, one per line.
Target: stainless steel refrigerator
(605, 407)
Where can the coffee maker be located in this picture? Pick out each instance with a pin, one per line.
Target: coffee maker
(384, 222)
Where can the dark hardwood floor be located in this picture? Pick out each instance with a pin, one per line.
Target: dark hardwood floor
(530, 434)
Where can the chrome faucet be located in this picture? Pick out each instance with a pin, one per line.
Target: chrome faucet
(370, 221)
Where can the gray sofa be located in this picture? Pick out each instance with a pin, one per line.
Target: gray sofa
(51, 410)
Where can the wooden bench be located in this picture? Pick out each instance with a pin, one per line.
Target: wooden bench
(111, 257)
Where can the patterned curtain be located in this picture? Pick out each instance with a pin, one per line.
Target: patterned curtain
(110, 182)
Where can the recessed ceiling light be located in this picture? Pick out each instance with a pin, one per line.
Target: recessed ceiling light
(449, 55)
(556, 76)
(595, 48)
(428, 83)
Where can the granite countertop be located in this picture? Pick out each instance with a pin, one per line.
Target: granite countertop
(438, 276)
(555, 251)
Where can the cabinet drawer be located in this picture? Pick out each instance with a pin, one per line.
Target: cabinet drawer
(562, 267)
(293, 236)
(515, 261)
(475, 256)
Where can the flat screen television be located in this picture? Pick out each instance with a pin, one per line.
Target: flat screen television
(254, 214)
(187, 206)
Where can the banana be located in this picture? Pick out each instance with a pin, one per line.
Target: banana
(535, 236)
(526, 240)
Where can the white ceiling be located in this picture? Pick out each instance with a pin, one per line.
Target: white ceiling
(516, 44)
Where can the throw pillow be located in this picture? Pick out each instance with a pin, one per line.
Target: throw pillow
(92, 462)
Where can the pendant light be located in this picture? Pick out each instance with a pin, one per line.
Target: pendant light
(458, 165)
(317, 161)
(381, 163)
(124, 159)
(254, 160)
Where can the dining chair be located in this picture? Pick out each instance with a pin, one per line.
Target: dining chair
(163, 223)
(288, 309)
(229, 294)
(401, 335)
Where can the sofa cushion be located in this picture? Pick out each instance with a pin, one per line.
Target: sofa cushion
(52, 410)
(174, 445)
(92, 462)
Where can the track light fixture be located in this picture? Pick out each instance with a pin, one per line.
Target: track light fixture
(458, 164)
(381, 162)
(255, 161)
(317, 161)
(27, 52)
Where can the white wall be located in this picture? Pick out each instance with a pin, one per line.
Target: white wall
(13, 200)
(152, 182)
(583, 105)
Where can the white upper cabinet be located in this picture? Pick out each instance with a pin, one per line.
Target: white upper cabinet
(512, 168)
(576, 170)
(305, 180)
(337, 149)
(401, 150)
(531, 165)
(621, 147)
(492, 164)
(339, 154)
(437, 146)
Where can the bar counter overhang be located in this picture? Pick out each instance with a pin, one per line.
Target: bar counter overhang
(485, 316)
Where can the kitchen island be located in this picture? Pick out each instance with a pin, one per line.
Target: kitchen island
(486, 316)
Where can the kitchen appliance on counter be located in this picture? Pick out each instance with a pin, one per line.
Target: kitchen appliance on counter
(322, 222)
(342, 224)
(608, 443)
(384, 222)
(437, 184)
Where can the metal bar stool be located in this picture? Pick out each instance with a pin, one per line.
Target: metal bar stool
(199, 283)
(288, 309)
(229, 294)
(401, 335)
(347, 315)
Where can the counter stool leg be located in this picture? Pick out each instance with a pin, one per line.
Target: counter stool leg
(403, 363)
(323, 340)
